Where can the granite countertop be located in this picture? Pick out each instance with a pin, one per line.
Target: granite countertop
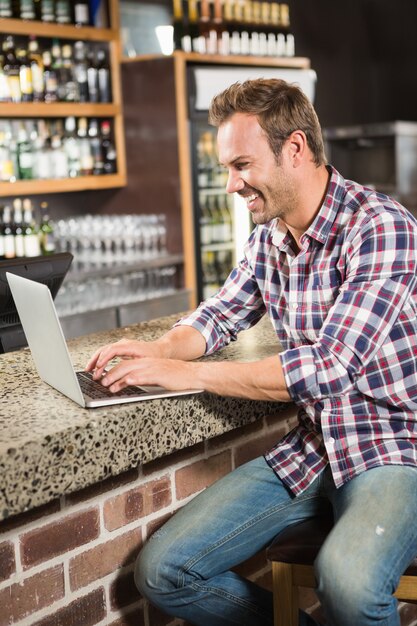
(50, 446)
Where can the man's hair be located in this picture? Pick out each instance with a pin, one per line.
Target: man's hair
(281, 108)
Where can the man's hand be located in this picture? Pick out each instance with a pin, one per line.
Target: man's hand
(169, 373)
(124, 349)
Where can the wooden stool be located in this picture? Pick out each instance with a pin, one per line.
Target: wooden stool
(292, 556)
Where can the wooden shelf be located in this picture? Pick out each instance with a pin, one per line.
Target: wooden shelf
(81, 183)
(60, 31)
(218, 59)
(58, 109)
(112, 111)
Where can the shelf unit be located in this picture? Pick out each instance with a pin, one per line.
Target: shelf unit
(111, 111)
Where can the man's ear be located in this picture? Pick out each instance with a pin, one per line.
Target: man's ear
(297, 146)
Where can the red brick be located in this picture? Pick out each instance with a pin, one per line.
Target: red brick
(32, 594)
(256, 447)
(105, 485)
(17, 521)
(123, 592)
(233, 436)
(53, 539)
(157, 523)
(104, 559)
(158, 618)
(135, 503)
(7, 560)
(134, 618)
(85, 611)
(201, 474)
(159, 465)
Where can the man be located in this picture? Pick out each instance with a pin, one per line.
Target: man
(334, 265)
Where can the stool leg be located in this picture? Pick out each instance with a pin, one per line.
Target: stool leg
(285, 595)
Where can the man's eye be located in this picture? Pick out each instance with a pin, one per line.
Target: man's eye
(241, 166)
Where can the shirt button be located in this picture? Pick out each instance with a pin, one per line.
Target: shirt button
(331, 440)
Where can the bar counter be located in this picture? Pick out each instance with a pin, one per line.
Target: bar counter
(49, 446)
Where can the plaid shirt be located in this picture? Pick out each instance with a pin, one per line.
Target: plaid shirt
(344, 309)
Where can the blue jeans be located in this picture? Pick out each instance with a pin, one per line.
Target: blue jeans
(185, 568)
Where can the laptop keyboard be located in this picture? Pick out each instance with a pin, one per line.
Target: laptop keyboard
(94, 389)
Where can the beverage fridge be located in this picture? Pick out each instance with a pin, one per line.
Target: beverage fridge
(221, 221)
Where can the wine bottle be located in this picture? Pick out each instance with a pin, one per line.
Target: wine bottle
(25, 76)
(24, 154)
(46, 231)
(17, 228)
(92, 77)
(47, 11)
(103, 71)
(63, 11)
(31, 236)
(178, 24)
(6, 8)
(36, 67)
(50, 78)
(27, 10)
(81, 13)
(8, 235)
(12, 69)
(80, 70)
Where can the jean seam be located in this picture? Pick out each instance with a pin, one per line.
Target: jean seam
(191, 562)
(224, 594)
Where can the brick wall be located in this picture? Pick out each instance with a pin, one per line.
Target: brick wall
(70, 562)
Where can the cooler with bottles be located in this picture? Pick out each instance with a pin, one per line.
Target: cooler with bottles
(222, 221)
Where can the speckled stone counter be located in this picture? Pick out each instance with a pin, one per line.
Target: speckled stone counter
(49, 446)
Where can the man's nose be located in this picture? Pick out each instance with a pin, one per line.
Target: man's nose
(234, 182)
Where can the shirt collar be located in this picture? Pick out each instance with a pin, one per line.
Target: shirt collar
(322, 223)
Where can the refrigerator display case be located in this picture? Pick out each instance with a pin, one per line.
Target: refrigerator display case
(222, 222)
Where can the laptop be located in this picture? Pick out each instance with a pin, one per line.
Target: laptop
(47, 344)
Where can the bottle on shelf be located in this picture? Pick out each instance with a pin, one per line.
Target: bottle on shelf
(80, 70)
(50, 78)
(5, 95)
(177, 23)
(103, 71)
(36, 67)
(7, 168)
(81, 13)
(289, 48)
(6, 8)
(31, 236)
(71, 147)
(108, 148)
(63, 11)
(26, 10)
(69, 86)
(96, 147)
(17, 228)
(190, 39)
(59, 157)
(25, 75)
(47, 11)
(7, 234)
(11, 69)
(46, 231)
(86, 156)
(25, 155)
(92, 77)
